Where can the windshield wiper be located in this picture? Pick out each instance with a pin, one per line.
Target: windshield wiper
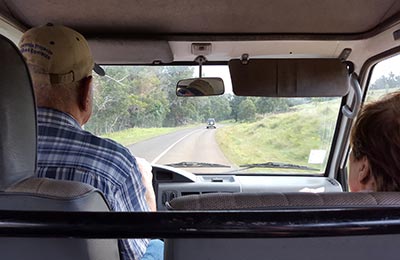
(197, 165)
(275, 165)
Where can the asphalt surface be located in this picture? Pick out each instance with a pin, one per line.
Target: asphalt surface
(189, 145)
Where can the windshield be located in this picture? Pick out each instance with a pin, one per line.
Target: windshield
(138, 107)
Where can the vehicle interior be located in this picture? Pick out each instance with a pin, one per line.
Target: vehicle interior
(243, 108)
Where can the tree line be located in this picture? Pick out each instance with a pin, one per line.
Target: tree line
(144, 96)
(386, 81)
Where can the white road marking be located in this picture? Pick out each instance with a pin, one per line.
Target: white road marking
(172, 145)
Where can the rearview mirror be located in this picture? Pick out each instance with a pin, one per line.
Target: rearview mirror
(200, 87)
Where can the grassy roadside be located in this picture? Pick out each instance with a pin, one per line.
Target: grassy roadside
(286, 137)
(134, 135)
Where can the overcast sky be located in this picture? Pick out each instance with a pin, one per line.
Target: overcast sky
(385, 67)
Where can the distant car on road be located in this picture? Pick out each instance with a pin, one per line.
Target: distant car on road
(211, 123)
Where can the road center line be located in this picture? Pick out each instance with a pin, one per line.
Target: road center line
(172, 145)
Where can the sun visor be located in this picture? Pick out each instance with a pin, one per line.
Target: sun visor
(107, 51)
(289, 77)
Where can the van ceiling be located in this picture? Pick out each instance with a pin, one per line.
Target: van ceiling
(222, 17)
(154, 31)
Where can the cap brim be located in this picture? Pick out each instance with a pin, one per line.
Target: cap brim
(99, 70)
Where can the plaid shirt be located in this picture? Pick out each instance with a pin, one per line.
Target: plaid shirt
(66, 152)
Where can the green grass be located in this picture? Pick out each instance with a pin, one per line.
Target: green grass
(286, 137)
(134, 135)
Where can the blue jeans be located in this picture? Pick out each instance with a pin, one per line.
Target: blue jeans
(154, 251)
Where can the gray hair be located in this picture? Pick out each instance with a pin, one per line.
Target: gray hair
(58, 96)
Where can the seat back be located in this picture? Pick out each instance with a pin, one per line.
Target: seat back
(285, 239)
(17, 117)
(20, 189)
(300, 248)
(293, 200)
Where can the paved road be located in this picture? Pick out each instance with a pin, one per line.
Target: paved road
(190, 145)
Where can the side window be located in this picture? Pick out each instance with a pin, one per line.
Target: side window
(385, 78)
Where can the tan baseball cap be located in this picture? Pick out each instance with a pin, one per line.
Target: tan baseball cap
(59, 51)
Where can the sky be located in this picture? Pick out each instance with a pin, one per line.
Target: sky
(385, 67)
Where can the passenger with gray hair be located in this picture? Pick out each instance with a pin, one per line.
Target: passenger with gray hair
(61, 64)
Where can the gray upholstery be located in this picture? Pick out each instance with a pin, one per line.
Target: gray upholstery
(52, 195)
(20, 190)
(17, 117)
(158, 18)
(366, 247)
(259, 201)
(55, 195)
(385, 247)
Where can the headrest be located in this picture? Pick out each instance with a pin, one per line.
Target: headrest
(17, 117)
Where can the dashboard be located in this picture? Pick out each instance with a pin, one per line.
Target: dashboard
(170, 183)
